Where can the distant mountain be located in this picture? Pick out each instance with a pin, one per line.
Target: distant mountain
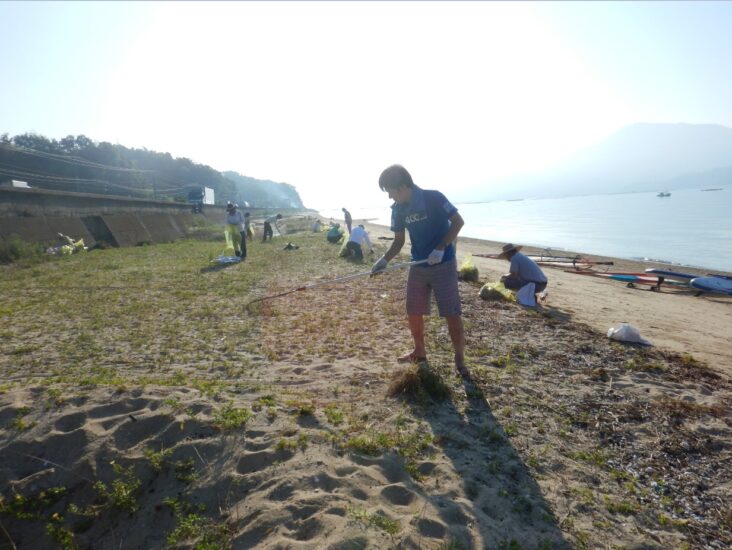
(264, 193)
(640, 157)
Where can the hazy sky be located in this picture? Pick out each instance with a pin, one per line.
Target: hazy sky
(324, 95)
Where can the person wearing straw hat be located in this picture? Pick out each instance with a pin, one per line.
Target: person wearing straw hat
(523, 270)
(433, 224)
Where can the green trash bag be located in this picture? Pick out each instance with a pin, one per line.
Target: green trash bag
(468, 271)
(496, 291)
(233, 239)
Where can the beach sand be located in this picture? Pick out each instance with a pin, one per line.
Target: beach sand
(671, 319)
(175, 417)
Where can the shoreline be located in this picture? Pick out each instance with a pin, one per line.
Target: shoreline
(673, 319)
(495, 247)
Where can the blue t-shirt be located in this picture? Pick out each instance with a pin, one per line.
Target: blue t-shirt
(427, 218)
(527, 269)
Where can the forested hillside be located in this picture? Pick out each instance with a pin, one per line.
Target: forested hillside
(76, 163)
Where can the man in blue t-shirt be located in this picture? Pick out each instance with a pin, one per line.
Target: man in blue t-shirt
(433, 224)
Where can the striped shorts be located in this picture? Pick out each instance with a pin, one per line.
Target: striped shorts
(442, 279)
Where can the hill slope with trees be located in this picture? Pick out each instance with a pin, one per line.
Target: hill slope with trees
(78, 164)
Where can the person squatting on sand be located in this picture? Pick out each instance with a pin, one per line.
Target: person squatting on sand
(268, 227)
(359, 236)
(334, 234)
(433, 224)
(348, 219)
(523, 270)
(235, 226)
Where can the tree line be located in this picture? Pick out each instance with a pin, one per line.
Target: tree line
(78, 164)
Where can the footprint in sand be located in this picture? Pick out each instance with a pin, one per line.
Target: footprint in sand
(126, 406)
(396, 494)
(132, 432)
(254, 462)
(305, 530)
(431, 528)
(70, 422)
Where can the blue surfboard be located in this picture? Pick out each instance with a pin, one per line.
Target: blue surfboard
(713, 284)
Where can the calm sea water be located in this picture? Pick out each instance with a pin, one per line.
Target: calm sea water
(691, 227)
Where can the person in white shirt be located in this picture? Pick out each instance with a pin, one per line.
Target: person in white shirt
(235, 226)
(358, 237)
(268, 226)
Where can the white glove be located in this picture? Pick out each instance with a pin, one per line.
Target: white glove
(380, 265)
(435, 257)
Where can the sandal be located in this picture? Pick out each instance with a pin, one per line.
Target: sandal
(411, 358)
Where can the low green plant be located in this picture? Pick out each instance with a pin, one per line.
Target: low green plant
(301, 406)
(31, 506)
(19, 422)
(623, 507)
(377, 519)
(192, 527)
(229, 417)
(158, 459)
(185, 470)
(123, 491)
(15, 249)
(598, 457)
(286, 444)
(62, 536)
(333, 415)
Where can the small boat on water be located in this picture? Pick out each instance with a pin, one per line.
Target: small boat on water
(713, 189)
(664, 194)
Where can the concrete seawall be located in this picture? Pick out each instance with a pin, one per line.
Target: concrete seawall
(38, 215)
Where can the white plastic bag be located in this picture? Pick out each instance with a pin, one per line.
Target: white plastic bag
(627, 333)
(527, 295)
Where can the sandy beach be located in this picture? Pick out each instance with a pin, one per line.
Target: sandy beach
(145, 402)
(672, 319)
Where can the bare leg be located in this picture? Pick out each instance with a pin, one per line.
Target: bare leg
(457, 335)
(416, 327)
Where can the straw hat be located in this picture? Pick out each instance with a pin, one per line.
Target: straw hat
(509, 248)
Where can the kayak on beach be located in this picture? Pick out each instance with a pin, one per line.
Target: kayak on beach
(632, 279)
(719, 285)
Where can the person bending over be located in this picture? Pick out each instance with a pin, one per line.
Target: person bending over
(268, 226)
(358, 237)
(433, 224)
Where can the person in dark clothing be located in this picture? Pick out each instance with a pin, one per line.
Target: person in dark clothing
(348, 219)
(268, 226)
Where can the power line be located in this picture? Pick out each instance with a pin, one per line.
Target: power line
(75, 161)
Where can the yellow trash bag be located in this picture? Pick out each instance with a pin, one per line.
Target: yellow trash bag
(468, 271)
(233, 239)
(496, 291)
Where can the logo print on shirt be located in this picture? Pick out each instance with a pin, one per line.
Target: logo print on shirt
(414, 218)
